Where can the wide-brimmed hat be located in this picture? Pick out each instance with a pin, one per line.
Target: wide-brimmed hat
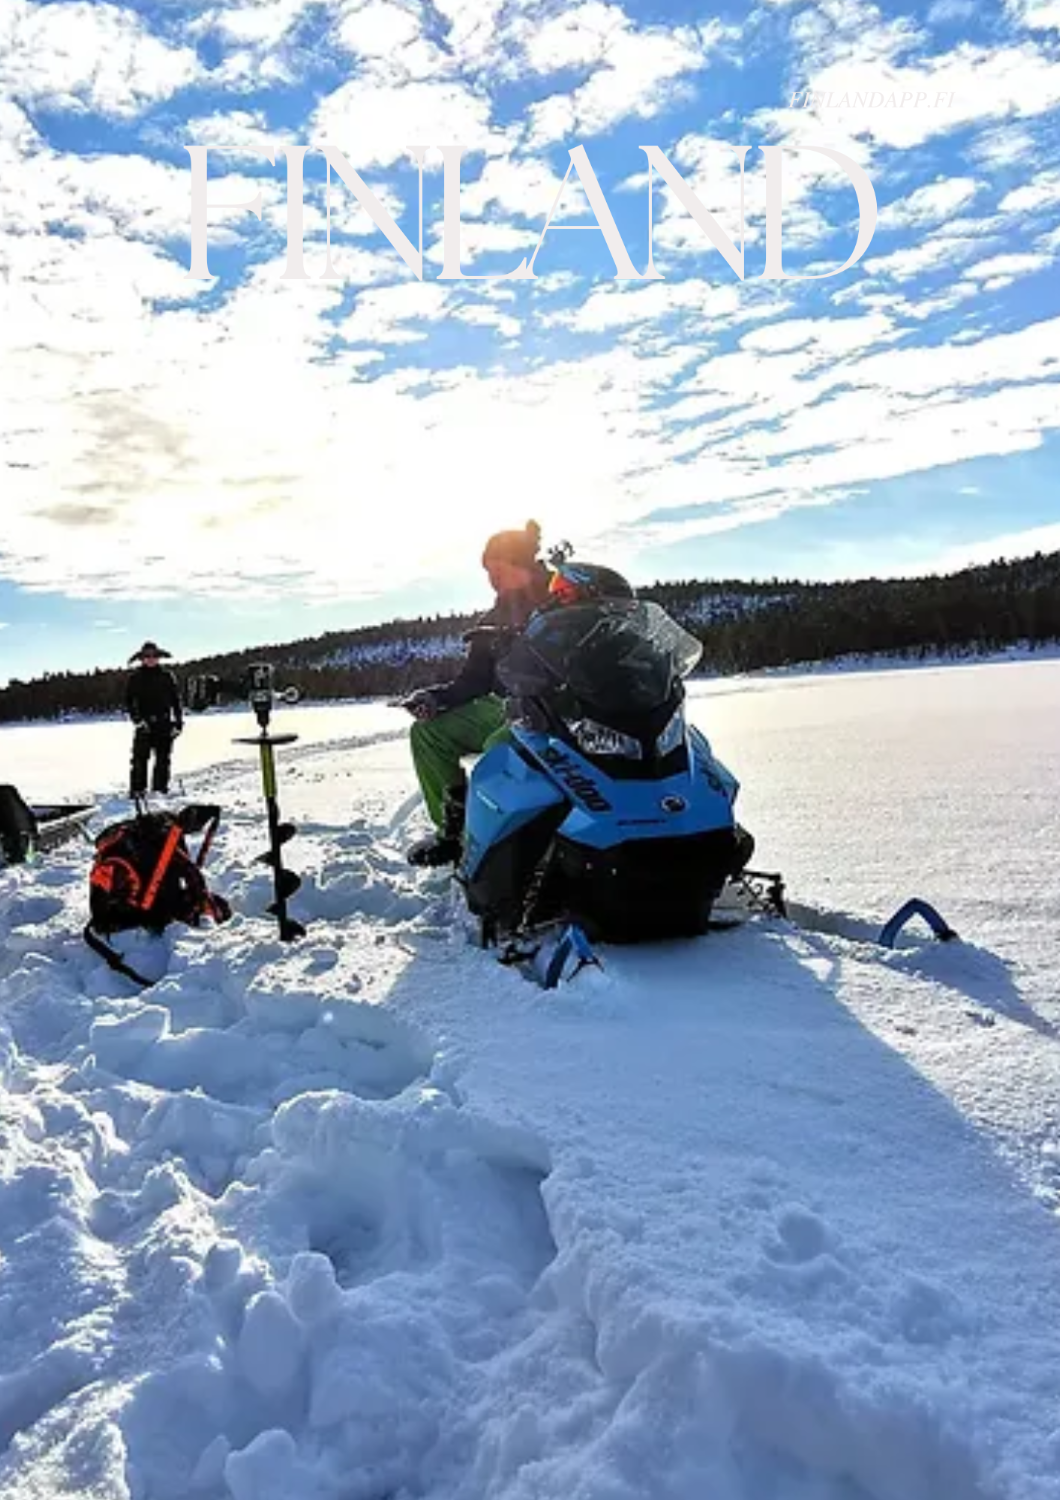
(149, 649)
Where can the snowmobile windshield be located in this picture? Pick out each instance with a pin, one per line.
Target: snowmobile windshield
(617, 656)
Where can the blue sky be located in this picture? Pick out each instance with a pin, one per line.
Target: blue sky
(253, 458)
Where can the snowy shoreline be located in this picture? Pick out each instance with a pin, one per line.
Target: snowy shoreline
(844, 665)
(1022, 652)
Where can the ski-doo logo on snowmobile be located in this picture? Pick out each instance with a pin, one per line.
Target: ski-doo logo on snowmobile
(581, 785)
(673, 804)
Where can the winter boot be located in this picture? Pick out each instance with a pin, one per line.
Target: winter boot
(446, 846)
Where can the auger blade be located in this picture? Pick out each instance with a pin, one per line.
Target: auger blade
(284, 834)
(287, 885)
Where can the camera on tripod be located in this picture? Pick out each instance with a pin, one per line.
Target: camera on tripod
(255, 686)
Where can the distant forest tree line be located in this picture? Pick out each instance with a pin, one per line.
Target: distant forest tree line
(743, 627)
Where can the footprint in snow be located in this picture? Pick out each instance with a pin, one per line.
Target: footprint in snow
(800, 1236)
(287, 1043)
(374, 1262)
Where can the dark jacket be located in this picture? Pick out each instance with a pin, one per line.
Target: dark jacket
(508, 617)
(152, 696)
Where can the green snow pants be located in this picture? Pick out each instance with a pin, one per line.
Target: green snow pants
(438, 744)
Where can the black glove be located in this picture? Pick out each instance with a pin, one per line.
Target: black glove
(423, 704)
(494, 635)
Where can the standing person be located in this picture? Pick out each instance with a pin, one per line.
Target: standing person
(465, 716)
(152, 698)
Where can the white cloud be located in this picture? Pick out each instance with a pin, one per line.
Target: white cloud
(260, 23)
(833, 31)
(524, 186)
(272, 437)
(636, 72)
(905, 106)
(375, 124)
(379, 28)
(882, 80)
(74, 55)
(612, 306)
(1032, 353)
(579, 37)
(478, 239)
(781, 337)
(921, 309)
(943, 12)
(1042, 191)
(1001, 270)
(929, 204)
(241, 135)
(1000, 146)
(711, 170)
(490, 317)
(135, 197)
(381, 312)
(388, 40)
(473, 34)
(233, 418)
(953, 244)
(1009, 545)
(883, 414)
(1036, 15)
(828, 337)
(123, 194)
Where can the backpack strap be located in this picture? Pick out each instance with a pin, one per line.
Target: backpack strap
(165, 859)
(205, 818)
(210, 828)
(217, 907)
(115, 960)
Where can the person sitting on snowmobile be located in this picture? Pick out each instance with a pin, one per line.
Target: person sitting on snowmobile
(467, 715)
(152, 699)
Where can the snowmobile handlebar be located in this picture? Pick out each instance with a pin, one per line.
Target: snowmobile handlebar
(488, 633)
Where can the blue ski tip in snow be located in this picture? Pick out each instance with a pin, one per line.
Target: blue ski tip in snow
(916, 908)
(572, 950)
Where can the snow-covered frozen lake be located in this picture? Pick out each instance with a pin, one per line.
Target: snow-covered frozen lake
(772, 1216)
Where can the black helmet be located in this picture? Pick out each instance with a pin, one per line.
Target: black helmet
(581, 583)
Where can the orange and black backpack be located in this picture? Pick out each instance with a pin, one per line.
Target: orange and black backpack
(143, 875)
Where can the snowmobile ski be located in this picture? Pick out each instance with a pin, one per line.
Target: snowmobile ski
(554, 957)
(28, 830)
(916, 907)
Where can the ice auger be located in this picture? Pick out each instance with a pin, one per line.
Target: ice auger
(262, 694)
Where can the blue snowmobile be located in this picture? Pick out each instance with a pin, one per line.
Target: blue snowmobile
(606, 817)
